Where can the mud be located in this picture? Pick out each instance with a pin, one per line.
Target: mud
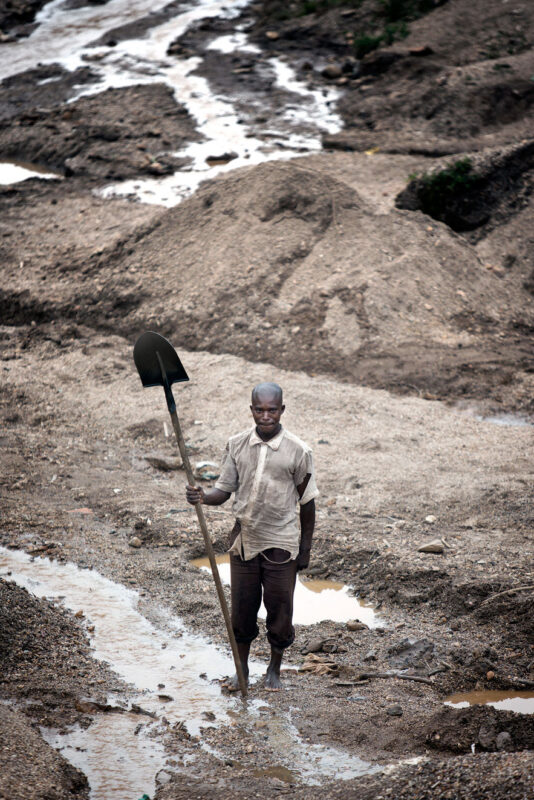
(399, 341)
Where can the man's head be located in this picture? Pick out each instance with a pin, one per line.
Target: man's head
(267, 407)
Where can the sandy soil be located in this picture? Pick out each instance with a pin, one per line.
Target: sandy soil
(388, 330)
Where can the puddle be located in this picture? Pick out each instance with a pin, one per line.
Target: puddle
(315, 600)
(16, 171)
(64, 36)
(522, 702)
(145, 654)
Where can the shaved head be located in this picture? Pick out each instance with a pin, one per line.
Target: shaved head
(271, 390)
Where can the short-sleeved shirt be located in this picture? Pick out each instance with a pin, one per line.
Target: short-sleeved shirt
(264, 477)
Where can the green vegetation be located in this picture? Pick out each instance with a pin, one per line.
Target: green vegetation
(366, 43)
(377, 22)
(438, 190)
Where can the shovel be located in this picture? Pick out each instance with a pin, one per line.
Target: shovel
(158, 365)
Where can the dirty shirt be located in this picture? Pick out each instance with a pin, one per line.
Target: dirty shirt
(264, 477)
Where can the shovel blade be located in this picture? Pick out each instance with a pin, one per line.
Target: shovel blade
(145, 354)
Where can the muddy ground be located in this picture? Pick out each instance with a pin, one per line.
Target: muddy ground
(388, 328)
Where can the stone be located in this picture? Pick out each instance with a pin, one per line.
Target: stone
(163, 777)
(435, 546)
(490, 675)
(430, 519)
(370, 656)
(135, 541)
(410, 653)
(503, 741)
(356, 625)
(332, 71)
(163, 464)
(314, 646)
(272, 35)
(394, 711)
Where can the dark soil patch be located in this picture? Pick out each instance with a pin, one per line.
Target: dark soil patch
(457, 729)
(16, 14)
(113, 136)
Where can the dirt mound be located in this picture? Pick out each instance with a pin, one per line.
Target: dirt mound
(472, 192)
(31, 769)
(283, 263)
(116, 135)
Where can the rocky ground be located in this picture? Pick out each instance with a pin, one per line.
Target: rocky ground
(389, 324)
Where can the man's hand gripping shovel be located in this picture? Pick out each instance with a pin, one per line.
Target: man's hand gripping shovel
(158, 365)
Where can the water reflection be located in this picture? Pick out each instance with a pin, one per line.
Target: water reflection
(522, 702)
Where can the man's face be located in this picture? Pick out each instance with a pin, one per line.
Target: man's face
(267, 409)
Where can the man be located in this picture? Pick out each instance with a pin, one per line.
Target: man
(270, 471)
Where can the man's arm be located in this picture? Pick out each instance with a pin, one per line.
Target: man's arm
(215, 497)
(307, 526)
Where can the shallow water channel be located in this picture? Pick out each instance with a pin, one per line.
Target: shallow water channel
(293, 124)
(121, 764)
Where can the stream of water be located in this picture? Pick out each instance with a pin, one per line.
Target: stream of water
(64, 36)
(118, 762)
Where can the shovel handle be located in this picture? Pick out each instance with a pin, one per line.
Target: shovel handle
(211, 554)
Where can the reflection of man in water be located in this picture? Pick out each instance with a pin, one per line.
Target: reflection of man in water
(270, 471)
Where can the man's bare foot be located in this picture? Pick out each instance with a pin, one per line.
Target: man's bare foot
(272, 680)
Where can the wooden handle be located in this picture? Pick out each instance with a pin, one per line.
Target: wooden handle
(211, 555)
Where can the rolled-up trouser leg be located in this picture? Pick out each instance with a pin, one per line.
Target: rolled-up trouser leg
(278, 589)
(246, 597)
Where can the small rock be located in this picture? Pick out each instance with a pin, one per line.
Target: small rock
(430, 519)
(490, 675)
(314, 646)
(435, 546)
(503, 741)
(208, 715)
(422, 50)
(163, 464)
(332, 71)
(135, 541)
(394, 711)
(370, 656)
(272, 35)
(356, 698)
(356, 625)
(163, 777)
(79, 614)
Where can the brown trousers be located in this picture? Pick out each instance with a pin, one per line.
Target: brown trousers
(278, 583)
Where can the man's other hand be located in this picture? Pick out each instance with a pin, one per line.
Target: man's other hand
(303, 560)
(194, 495)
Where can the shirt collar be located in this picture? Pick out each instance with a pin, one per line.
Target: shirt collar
(273, 443)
